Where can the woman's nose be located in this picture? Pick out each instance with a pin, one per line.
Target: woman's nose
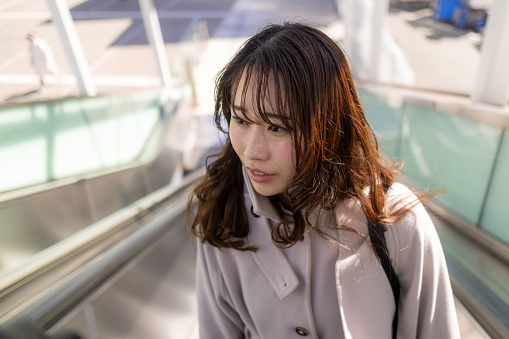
(256, 147)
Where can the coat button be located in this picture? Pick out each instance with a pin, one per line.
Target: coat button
(301, 331)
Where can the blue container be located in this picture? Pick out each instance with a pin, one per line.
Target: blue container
(444, 9)
(461, 17)
(479, 24)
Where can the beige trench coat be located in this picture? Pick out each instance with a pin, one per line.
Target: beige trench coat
(260, 295)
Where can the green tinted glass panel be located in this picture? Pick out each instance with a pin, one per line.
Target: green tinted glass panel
(496, 214)
(451, 153)
(22, 131)
(383, 118)
(71, 146)
(46, 141)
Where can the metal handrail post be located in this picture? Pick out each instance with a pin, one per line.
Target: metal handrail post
(63, 20)
(155, 38)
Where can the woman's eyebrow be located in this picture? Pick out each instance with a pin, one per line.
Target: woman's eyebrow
(238, 108)
(242, 110)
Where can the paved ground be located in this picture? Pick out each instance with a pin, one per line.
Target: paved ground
(442, 57)
(114, 42)
(113, 38)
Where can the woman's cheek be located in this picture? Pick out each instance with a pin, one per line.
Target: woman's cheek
(285, 150)
(235, 138)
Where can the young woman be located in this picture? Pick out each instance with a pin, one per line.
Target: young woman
(283, 213)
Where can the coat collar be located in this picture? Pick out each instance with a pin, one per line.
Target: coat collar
(356, 269)
(269, 258)
(261, 204)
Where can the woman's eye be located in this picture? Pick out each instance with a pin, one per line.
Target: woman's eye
(276, 129)
(239, 121)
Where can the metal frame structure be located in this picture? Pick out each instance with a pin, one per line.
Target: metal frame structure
(65, 25)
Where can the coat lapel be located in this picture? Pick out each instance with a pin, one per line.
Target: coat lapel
(269, 258)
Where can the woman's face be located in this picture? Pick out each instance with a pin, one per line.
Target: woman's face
(266, 150)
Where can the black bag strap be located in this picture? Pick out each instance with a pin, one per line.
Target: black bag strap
(377, 236)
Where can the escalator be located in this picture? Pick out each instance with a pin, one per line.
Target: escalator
(104, 253)
(135, 281)
(130, 272)
(461, 151)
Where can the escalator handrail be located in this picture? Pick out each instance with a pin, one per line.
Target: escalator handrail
(59, 301)
(67, 248)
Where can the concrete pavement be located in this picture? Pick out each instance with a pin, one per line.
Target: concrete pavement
(114, 42)
(442, 57)
(113, 38)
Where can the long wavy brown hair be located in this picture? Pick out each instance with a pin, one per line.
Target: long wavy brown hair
(337, 154)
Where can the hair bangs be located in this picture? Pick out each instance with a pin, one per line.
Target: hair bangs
(294, 76)
(260, 80)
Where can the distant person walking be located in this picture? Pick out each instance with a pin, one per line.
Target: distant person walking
(41, 57)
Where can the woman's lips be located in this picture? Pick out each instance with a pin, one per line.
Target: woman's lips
(259, 175)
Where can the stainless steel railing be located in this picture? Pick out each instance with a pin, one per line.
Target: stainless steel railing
(45, 309)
